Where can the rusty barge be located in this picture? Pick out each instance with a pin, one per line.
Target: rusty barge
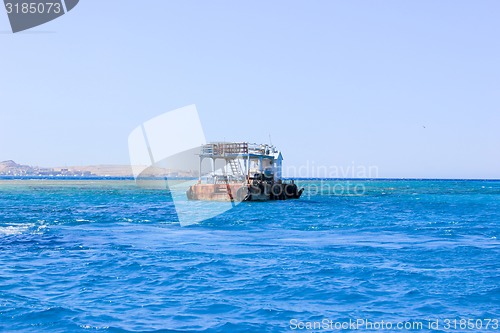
(247, 172)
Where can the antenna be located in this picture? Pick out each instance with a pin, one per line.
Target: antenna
(270, 141)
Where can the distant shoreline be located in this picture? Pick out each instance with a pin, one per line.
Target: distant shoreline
(116, 178)
(12, 169)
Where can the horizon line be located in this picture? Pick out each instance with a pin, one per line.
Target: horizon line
(45, 177)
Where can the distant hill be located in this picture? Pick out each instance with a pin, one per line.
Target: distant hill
(12, 168)
(8, 164)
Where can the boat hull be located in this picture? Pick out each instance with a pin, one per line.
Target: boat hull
(243, 192)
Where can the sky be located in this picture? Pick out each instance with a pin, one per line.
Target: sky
(410, 88)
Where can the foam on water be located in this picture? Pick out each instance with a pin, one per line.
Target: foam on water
(13, 230)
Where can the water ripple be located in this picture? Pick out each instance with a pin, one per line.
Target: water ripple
(111, 257)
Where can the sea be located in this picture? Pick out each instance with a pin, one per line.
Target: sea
(107, 255)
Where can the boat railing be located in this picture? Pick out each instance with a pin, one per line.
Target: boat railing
(235, 148)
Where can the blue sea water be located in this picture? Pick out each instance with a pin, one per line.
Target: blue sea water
(108, 256)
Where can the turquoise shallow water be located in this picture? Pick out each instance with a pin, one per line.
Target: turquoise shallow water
(107, 256)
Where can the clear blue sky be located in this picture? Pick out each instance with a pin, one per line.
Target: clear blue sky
(412, 87)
